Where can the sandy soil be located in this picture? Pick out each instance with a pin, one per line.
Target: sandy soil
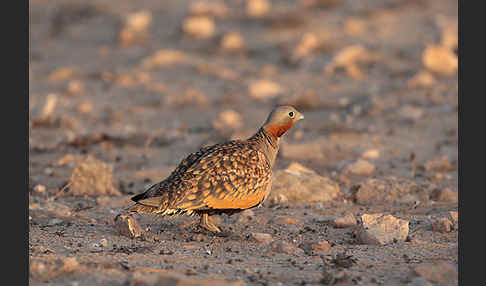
(376, 81)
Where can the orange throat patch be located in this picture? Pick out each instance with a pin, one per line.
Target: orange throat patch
(277, 130)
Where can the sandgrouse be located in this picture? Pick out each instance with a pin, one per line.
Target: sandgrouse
(223, 178)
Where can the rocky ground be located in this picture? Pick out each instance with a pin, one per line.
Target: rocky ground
(365, 188)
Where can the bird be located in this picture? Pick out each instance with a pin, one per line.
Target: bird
(225, 178)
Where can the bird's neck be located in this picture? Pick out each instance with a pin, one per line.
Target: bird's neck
(277, 129)
(267, 144)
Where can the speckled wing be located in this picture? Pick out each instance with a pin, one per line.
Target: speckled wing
(157, 197)
(231, 176)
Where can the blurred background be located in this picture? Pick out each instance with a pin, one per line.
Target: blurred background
(139, 84)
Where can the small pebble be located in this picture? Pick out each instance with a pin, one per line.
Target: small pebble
(444, 195)
(257, 8)
(40, 188)
(48, 171)
(361, 167)
(284, 220)
(371, 154)
(322, 246)
(380, 229)
(346, 221)
(199, 26)
(103, 242)
(54, 221)
(261, 237)
(128, 226)
(442, 225)
(232, 42)
(280, 246)
(455, 216)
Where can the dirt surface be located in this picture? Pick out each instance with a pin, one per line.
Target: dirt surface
(137, 85)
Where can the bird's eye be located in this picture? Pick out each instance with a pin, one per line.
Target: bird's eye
(291, 114)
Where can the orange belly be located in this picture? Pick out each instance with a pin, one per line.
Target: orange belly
(228, 202)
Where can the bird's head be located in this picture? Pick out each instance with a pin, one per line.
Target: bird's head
(281, 119)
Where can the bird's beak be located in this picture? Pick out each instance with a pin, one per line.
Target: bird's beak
(301, 116)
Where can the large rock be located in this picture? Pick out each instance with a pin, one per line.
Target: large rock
(388, 190)
(379, 229)
(93, 178)
(299, 184)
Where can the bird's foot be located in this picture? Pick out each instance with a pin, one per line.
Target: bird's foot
(210, 227)
(218, 231)
(206, 224)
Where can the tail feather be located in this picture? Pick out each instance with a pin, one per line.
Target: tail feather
(143, 209)
(138, 197)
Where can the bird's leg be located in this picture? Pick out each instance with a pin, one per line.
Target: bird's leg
(206, 224)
